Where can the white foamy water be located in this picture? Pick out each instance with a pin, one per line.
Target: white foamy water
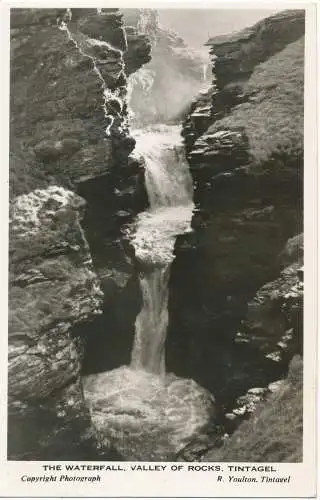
(152, 321)
(156, 233)
(167, 176)
(169, 187)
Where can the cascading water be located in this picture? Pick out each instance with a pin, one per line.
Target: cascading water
(145, 413)
(169, 188)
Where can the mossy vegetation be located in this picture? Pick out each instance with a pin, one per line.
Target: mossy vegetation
(272, 114)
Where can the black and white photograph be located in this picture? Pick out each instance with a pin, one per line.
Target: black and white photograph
(156, 221)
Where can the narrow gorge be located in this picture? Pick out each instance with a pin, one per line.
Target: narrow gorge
(156, 279)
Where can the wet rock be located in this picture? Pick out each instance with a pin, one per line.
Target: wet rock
(105, 26)
(194, 127)
(244, 407)
(275, 386)
(174, 412)
(63, 112)
(59, 428)
(138, 52)
(48, 150)
(58, 124)
(68, 86)
(212, 153)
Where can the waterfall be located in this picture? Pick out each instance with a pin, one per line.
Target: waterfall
(169, 188)
(143, 412)
(151, 323)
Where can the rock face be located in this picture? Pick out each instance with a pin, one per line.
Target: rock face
(174, 412)
(161, 91)
(58, 109)
(52, 289)
(68, 129)
(232, 282)
(274, 317)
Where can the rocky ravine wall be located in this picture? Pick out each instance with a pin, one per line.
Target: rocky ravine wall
(58, 146)
(244, 140)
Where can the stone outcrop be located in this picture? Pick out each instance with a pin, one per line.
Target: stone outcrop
(247, 69)
(52, 289)
(231, 282)
(162, 90)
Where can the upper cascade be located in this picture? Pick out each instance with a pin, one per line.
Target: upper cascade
(167, 181)
(164, 88)
(169, 187)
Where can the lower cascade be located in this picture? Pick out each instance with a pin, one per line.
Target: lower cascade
(145, 413)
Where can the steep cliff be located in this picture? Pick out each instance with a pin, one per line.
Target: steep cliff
(68, 133)
(244, 141)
